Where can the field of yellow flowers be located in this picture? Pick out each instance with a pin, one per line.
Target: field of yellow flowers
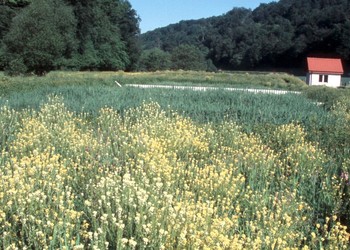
(153, 179)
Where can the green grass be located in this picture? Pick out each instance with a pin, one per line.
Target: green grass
(62, 78)
(151, 178)
(255, 112)
(90, 91)
(208, 106)
(264, 161)
(325, 95)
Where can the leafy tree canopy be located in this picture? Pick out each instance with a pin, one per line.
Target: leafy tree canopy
(15, 3)
(155, 59)
(187, 57)
(39, 36)
(278, 34)
(107, 34)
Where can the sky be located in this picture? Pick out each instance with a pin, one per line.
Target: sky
(159, 13)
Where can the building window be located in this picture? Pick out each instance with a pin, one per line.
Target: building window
(323, 78)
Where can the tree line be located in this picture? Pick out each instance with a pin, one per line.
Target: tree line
(37, 36)
(274, 35)
(41, 35)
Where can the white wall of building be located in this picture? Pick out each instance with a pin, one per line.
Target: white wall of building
(333, 80)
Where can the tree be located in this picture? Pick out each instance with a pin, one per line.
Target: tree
(15, 3)
(107, 34)
(344, 37)
(40, 35)
(188, 57)
(278, 34)
(128, 23)
(6, 15)
(154, 59)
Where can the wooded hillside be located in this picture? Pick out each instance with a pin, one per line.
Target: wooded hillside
(43, 35)
(276, 35)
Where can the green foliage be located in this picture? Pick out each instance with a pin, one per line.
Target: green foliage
(278, 34)
(327, 97)
(292, 155)
(2, 57)
(39, 36)
(95, 90)
(339, 135)
(16, 67)
(59, 34)
(214, 106)
(16, 3)
(113, 180)
(6, 14)
(187, 57)
(107, 35)
(127, 21)
(154, 59)
(225, 79)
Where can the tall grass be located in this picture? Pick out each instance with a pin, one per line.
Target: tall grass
(257, 113)
(90, 91)
(154, 179)
(122, 168)
(327, 96)
(212, 106)
(61, 78)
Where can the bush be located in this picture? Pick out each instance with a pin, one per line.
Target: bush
(16, 67)
(154, 59)
(327, 96)
(188, 57)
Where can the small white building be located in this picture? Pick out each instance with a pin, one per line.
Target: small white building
(324, 71)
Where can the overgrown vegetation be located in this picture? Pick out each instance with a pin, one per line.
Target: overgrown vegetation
(85, 163)
(149, 177)
(39, 36)
(327, 96)
(279, 34)
(239, 79)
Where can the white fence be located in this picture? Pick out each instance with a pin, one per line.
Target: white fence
(198, 88)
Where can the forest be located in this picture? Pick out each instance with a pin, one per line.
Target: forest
(43, 35)
(40, 36)
(278, 35)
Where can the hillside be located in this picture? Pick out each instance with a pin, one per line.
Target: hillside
(274, 35)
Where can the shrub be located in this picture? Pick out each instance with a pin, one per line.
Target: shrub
(16, 67)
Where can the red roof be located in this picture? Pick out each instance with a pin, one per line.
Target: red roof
(325, 65)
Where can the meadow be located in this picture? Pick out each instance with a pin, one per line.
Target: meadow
(59, 78)
(85, 164)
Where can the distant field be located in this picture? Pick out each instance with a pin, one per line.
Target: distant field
(91, 91)
(59, 78)
(202, 106)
